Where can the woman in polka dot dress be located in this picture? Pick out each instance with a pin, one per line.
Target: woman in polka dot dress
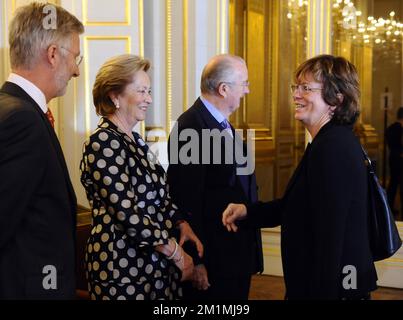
(131, 252)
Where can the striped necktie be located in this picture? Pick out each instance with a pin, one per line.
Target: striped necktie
(226, 126)
(50, 117)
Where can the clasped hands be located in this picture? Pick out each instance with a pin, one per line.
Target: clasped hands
(198, 274)
(231, 214)
(181, 259)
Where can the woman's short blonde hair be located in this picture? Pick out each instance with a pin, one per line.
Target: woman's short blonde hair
(113, 77)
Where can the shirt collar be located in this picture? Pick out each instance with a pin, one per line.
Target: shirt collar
(213, 110)
(32, 90)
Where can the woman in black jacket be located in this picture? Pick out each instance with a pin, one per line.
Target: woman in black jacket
(323, 213)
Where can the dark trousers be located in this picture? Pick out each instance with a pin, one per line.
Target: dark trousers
(396, 167)
(220, 289)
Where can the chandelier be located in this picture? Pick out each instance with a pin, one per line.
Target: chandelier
(383, 34)
(296, 9)
(297, 14)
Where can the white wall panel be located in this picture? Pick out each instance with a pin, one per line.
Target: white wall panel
(100, 12)
(111, 28)
(97, 50)
(180, 37)
(155, 50)
(3, 44)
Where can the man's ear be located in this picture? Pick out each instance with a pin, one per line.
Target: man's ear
(51, 54)
(223, 89)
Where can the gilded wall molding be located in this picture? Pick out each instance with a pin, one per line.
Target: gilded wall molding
(185, 54)
(168, 17)
(141, 27)
(274, 32)
(141, 47)
(6, 60)
(88, 90)
(319, 27)
(222, 26)
(126, 22)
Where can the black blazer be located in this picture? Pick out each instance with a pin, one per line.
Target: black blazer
(204, 191)
(323, 217)
(38, 204)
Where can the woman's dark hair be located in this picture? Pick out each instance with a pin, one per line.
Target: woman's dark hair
(340, 83)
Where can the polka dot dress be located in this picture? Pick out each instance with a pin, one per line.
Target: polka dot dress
(131, 214)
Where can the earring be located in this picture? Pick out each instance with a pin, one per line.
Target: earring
(117, 105)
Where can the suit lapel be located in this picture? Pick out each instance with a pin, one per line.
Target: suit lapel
(206, 116)
(240, 148)
(211, 123)
(302, 163)
(14, 90)
(298, 170)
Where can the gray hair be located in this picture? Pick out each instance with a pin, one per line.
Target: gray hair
(29, 35)
(219, 69)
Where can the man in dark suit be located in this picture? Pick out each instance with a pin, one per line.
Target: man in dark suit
(394, 137)
(38, 204)
(204, 186)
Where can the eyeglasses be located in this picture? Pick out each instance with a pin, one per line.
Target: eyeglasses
(78, 59)
(144, 92)
(242, 84)
(304, 88)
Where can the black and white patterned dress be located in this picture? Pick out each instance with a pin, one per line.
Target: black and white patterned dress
(132, 213)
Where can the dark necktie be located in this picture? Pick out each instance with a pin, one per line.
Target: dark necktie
(225, 125)
(50, 117)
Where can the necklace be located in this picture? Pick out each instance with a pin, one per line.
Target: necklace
(120, 124)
